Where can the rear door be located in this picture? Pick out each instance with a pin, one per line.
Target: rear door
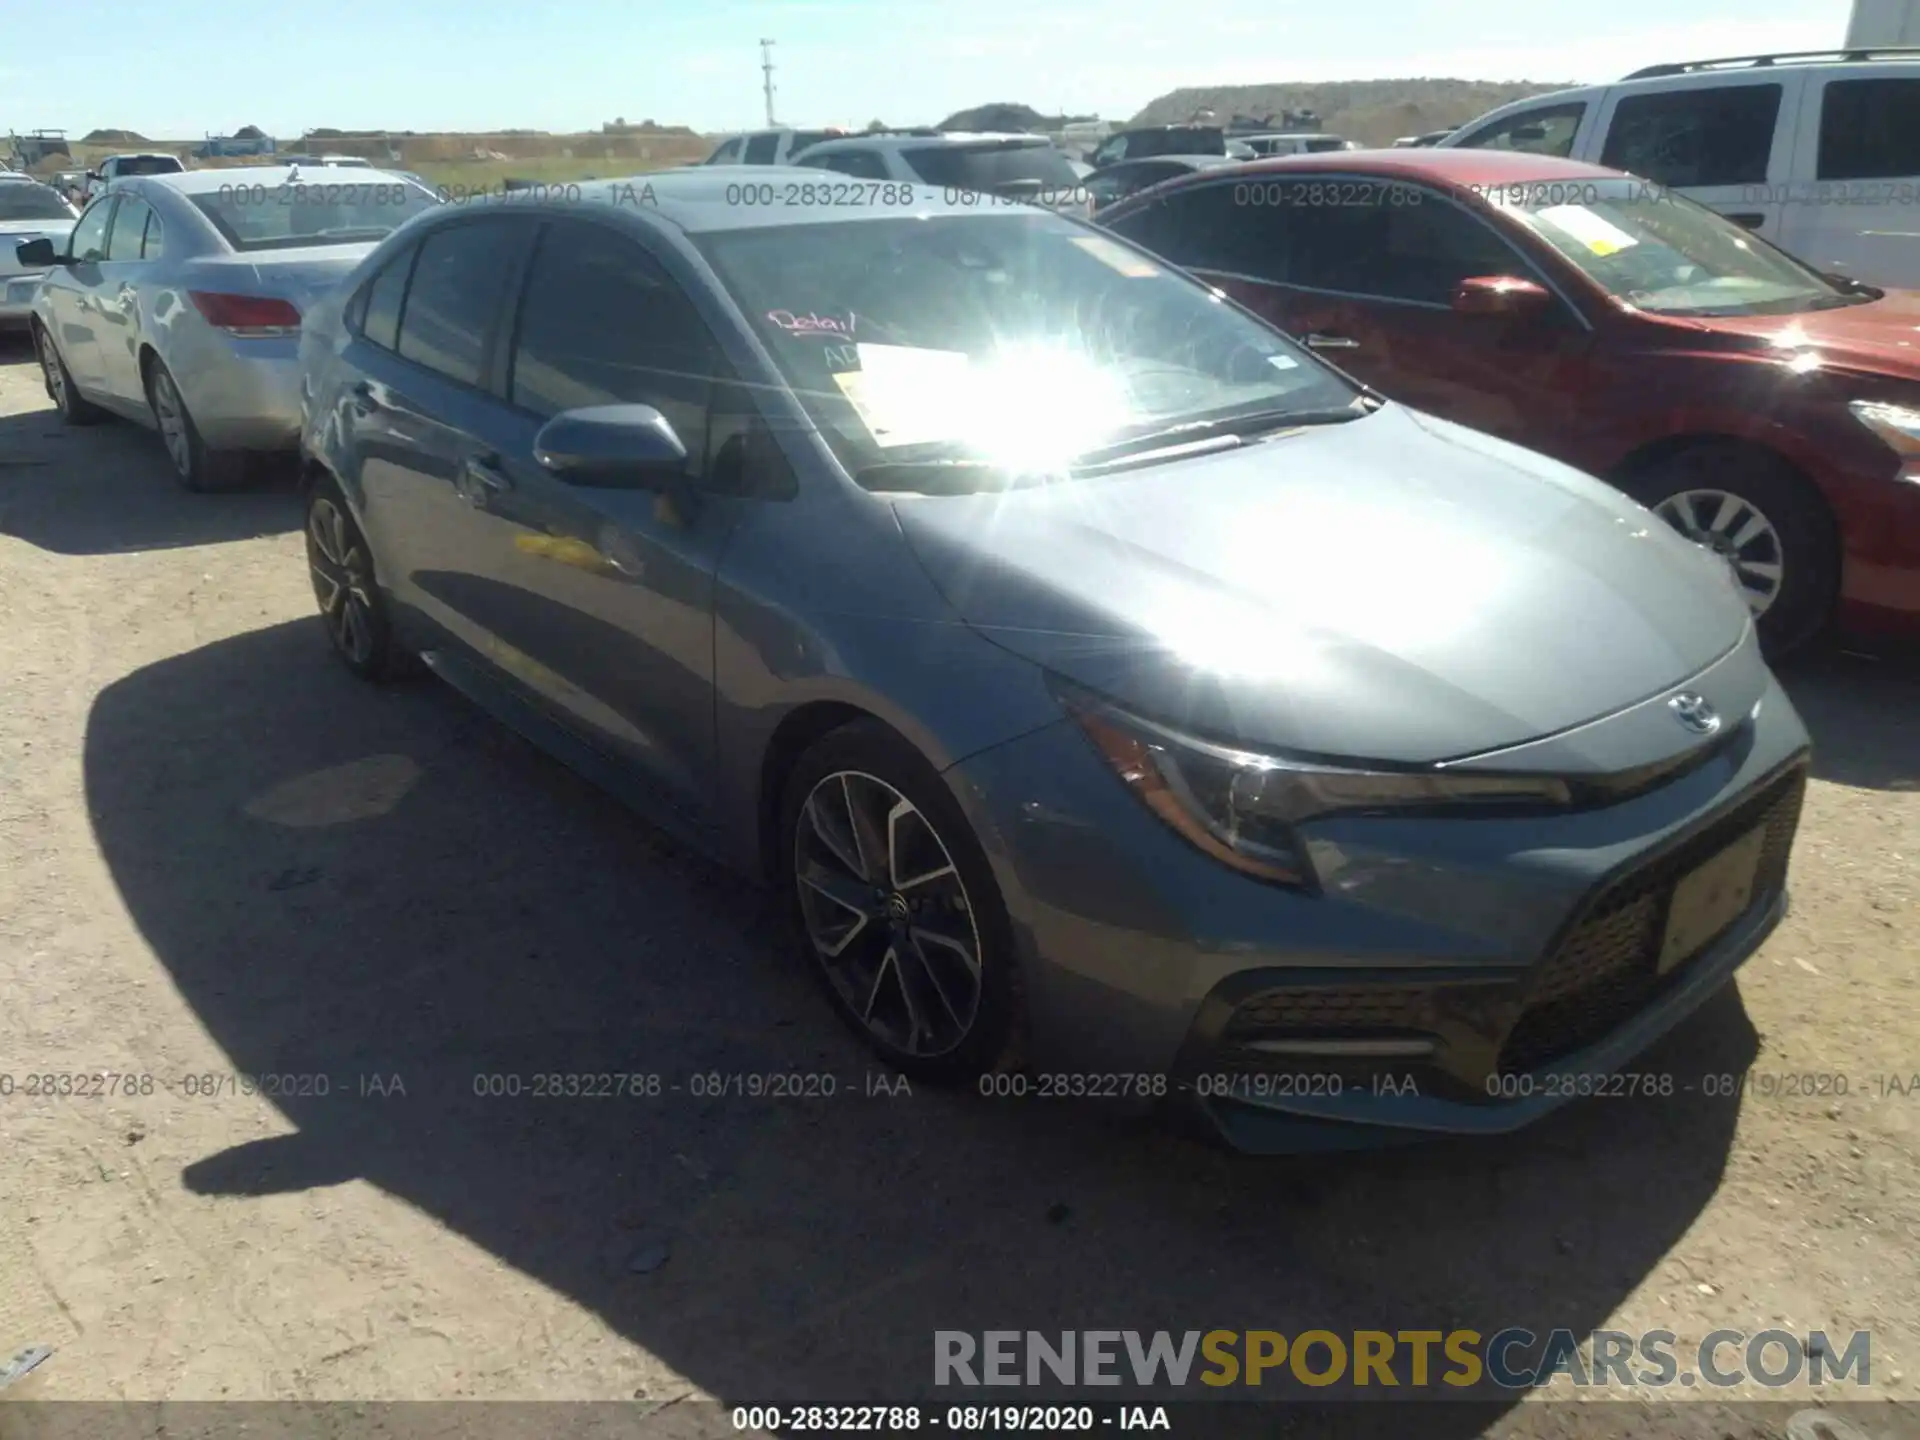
(425, 420)
(1856, 208)
(1724, 140)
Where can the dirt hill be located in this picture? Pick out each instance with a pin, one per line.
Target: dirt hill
(1373, 112)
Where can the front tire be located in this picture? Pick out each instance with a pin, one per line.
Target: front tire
(74, 408)
(199, 469)
(351, 605)
(1768, 524)
(897, 907)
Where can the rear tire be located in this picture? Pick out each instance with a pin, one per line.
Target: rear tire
(1770, 525)
(352, 608)
(74, 408)
(199, 469)
(913, 947)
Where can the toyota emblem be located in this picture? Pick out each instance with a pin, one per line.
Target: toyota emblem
(1694, 712)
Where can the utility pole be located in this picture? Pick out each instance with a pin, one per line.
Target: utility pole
(766, 70)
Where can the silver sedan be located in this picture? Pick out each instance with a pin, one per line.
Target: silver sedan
(176, 303)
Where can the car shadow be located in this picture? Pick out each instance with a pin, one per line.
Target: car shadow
(107, 489)
(1863, 714)
(369, 884)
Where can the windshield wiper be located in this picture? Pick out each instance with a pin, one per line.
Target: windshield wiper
(1240, 427)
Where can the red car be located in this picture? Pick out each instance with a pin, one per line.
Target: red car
(1762, 408)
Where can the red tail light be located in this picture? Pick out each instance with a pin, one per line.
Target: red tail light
(246, 314)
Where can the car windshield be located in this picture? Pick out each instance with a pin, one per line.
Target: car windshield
(1661, 252)
(148, 165)
(1019, 339)
(992, 165)
(310, 212)
(20, 200)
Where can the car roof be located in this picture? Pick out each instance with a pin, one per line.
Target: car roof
(994, 137)
(705, 199)
(143, 155)
(198, 182)
(1453, 167)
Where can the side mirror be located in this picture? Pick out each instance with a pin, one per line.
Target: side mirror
(611, 445)
(93, 174)
(36, 254)
(1503, 295)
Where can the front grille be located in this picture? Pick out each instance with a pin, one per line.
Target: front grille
(1306, 1011)
(1602, 971)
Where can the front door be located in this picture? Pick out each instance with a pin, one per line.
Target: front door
(73, 295)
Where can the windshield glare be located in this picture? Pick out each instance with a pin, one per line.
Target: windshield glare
(1018, 338)
(1661, 252)
(22, 201)
(279, 217)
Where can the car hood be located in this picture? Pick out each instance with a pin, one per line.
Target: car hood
(1396, 588)
(1880, 337)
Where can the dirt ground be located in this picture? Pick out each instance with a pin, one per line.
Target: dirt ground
(220, 856)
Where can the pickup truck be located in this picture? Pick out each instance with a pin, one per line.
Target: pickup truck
(117, 167)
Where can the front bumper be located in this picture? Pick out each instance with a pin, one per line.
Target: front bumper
(1465, 953)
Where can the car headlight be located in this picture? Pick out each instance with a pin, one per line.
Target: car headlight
(1242, 807)
(1898, 425)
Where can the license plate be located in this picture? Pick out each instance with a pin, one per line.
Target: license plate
(1710, 899)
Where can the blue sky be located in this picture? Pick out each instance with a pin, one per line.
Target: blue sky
(172, 70)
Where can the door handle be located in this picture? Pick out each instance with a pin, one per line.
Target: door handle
(1748, 219)
(1320, 340)
(127, 298)
(480, 479)
(361, 398)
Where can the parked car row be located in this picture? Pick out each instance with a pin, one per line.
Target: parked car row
(1222, 646)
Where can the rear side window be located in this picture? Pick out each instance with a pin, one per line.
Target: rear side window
(762, 148)
(1203, 228)
(1870, 129)
(861, 164)
(1545, 130)
(129, 229)
(804, 138)
(379, 303)
(727, 154)
(456, 292)
(1718, 135)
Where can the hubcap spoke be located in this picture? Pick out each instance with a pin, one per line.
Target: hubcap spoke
(887, 913)
(1738, 532)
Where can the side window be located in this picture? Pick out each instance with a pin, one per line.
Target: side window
(1717, 135)
(861, 164)
(1411, 252)
(762, 148)
(602, 324)
(129, 229)
(456, 292)
(1205, 228)
(727, 154)
(154, 245)
(1870, 130)
(89, 240)
(1547, 130)
(1112, 152)
(375, 311)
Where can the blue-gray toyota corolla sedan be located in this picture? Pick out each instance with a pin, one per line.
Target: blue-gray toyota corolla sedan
(1129, 703)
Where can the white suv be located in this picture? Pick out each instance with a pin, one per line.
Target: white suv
(767, 147)
(119, 167)
(1818, 152)
(1012, 167)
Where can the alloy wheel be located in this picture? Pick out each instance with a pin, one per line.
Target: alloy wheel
(888, 914)
(340, 581)
(172, 417)
(1738, 532)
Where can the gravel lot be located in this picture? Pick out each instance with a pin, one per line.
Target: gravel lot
(219, 854)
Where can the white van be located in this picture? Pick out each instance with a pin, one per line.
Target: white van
(1819, 152)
